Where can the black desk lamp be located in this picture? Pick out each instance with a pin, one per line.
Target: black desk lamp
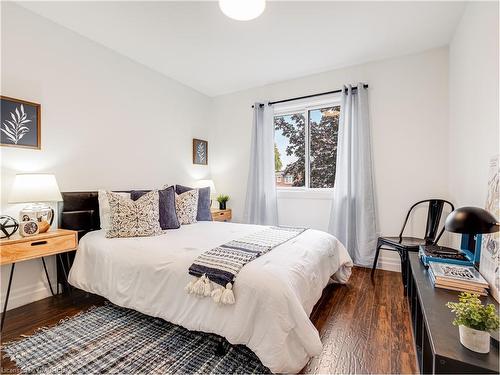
(471, 221)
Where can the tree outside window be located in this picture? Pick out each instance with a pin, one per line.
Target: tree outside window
(306, 147)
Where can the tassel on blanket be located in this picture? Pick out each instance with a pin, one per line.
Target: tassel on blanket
(201, 286)
(227, 297)
(217, 294)
(224, 295)
(189, 288)
(197, 287)
(207, 287)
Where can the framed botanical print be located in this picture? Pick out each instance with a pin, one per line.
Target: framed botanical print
(19, 123)
(200, 152)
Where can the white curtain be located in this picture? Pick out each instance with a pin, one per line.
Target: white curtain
(353, 217)
(261, 206)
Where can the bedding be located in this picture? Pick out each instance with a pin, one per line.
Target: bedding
(104, 209)
(168, 214)
(204, 202)
(275, 293)
(215, 270)
(186, 205)
(130, 218)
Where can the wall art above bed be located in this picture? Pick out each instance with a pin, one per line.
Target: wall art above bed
(200, 152)
(20, 123)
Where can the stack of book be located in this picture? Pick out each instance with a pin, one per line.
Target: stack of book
(456, 277)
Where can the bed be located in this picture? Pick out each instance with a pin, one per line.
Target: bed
(275, 293)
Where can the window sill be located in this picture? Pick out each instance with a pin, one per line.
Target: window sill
(302, 193)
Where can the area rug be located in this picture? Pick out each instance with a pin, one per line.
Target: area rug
(111, 339)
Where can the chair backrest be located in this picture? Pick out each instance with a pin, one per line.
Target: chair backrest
(434, 213)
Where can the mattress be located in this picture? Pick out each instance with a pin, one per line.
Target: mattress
(274, 294)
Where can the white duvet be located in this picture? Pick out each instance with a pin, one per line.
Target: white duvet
(274, 294)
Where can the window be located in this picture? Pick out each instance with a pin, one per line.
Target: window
(305, 146)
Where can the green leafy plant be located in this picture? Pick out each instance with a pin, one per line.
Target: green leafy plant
(222, 198)
(470, 312)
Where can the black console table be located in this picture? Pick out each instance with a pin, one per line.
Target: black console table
(436, 339)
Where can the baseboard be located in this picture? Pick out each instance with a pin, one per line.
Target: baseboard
(389, 265)
(24, 295)
(389, 261)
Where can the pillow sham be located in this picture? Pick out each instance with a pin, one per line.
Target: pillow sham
(204, 202)
(186, 205)
(168, 214)
(134, 218)
(104, 210)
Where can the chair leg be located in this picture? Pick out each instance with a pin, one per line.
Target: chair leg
(404, 269)
(377, 252)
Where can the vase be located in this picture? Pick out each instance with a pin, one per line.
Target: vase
(472, 339)
(222, 205)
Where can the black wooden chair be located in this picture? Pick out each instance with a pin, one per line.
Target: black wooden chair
(405, 244)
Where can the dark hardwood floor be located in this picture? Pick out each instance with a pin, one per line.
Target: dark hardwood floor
(364, 328)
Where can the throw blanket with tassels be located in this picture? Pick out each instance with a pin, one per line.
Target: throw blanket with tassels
(216, 269)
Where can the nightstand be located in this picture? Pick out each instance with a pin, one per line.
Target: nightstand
(18, 249)
(221, 215)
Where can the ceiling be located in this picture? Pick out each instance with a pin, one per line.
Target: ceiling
(194, 43)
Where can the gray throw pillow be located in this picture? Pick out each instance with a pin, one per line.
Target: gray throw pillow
(168, 215)
(204, 213)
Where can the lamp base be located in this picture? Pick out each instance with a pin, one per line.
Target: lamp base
(39, 212)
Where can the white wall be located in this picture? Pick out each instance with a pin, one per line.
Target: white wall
(409, 118)
(474, 130)
(107, 122)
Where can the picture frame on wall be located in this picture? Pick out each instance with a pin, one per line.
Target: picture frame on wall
(200, 152)
(489, 265)
(20, 123)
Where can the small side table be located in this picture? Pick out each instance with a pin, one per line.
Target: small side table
(221, 215)
(18, 249)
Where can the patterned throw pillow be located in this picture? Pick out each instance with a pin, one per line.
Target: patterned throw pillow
(104, 210)
(186, 205)
(168, 214)
(204, 202)
(134, 218)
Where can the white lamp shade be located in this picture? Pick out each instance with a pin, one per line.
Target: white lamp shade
(242, 10)
(35, 187)
(207, 183)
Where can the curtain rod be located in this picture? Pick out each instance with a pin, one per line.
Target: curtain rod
(310, 96)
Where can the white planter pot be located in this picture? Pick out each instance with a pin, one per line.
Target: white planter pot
(477, 341)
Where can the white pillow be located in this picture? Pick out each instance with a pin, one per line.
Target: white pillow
(105, 210)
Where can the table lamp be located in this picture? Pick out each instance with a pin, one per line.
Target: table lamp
(36, 189)
(210, 184)
(470, 222)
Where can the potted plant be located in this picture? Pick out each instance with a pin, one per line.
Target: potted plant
(222, 199)
(475, 321)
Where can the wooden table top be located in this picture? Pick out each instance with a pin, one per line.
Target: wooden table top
(17, 238)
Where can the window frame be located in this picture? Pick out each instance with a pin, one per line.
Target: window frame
(305, 107)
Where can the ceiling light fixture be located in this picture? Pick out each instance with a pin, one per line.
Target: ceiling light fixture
(242, 10)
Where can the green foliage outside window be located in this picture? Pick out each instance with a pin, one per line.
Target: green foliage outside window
(323, 137)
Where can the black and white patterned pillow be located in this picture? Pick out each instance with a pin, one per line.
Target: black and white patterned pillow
(130, 218)
(186, 205)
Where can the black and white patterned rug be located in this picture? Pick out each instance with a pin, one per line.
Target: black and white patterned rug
(111, 339)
